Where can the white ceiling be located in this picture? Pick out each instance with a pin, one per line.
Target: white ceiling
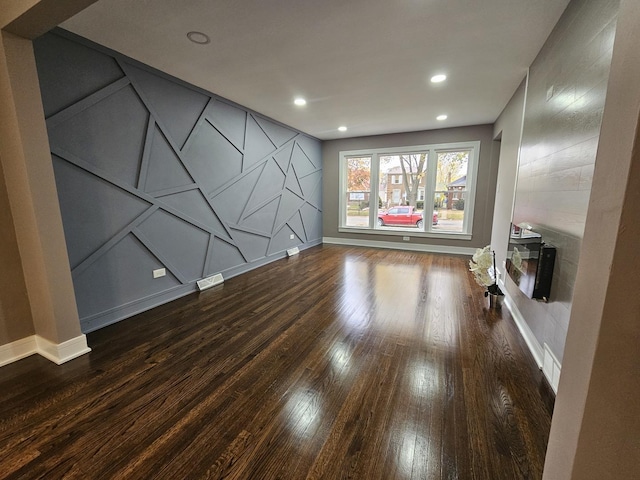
(365, 64)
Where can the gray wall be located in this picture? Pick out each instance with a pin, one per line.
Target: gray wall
(152, 172)
(563, 112)
(487, 171)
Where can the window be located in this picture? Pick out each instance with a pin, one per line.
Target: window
(409, 185)
(358, 191)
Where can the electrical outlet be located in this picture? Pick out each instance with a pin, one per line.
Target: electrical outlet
(406, 239)
(160, 272)
(292, 236)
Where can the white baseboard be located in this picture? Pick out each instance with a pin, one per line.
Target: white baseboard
(414, 247)
(531, 340)
(58, 353)
(62, 352)
(14, 351)
(551, 368)
(544, 357)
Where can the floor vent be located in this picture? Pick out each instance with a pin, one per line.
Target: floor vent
(293, 251)
(209, 282)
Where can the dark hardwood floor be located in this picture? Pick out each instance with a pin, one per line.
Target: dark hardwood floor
(337, 363)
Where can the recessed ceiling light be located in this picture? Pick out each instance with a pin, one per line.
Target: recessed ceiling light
(342, 128)
(300, 101)
(441, 117)
(438, 78)
(199, 38)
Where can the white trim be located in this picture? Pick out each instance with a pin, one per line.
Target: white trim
(531, 340)
(551, 368)
(432, 152)
(14, 351)
(414, 247)
(60, 353)
(57, 353)
(403, 233)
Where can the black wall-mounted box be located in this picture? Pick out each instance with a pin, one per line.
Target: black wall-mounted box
(530, 263)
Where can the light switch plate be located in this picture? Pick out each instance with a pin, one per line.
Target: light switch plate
(160, 272)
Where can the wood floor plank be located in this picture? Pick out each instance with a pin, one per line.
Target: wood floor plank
(340, 362)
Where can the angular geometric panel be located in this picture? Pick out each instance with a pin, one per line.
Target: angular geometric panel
(312, 220)
(263, 219)
(315, 198)
(224, 256)
(230, 203)
(253, 246)
(277, 133)
(93, 210)
(165, 168)
(312, 150)
(301, 162)
(283, 157)
(109, 135)
(231, 163)
(178, 107)
(212, 158)
(230, 120)
(271, 183)
(310, 182)
(193, 204)
(122, 275)
(257, 145)
(69, 71)
(292, 183)
(289, 203)
(281, 241)
(179, 242)
(296, 225)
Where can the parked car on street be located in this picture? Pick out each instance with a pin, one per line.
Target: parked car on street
(403, 216)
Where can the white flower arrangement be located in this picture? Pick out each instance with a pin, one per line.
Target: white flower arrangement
(483, 267)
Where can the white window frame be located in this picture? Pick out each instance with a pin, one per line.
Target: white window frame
(429, 190)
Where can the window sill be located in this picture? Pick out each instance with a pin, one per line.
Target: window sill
(406, 233)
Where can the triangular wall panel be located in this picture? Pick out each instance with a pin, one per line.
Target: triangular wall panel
(182, 244)
(231, 202)
(257, 146)
(81, 71)
(295, 223)
(282, 241)
(264, 218)
(228, 119)
(193, 205)
(165, 169)
(270, 184)
(104, 212)
(177, 107)
(288, 206)
(283, 157)
(224, 256)
(254, 246)
(278, 134)
(119, 277)
(213, 159)
(109, 135)
(301, 162)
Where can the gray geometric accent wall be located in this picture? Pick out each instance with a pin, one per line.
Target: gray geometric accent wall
(152, 173)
